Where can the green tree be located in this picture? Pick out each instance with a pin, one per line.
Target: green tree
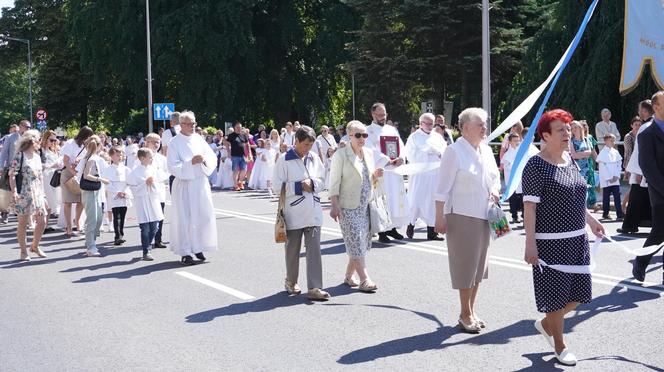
(60, 86)
(592, 78)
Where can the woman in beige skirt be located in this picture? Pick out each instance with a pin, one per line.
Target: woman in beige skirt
(72, 152)
(468, 181)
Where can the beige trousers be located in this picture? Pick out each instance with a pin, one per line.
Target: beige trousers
(312, 245)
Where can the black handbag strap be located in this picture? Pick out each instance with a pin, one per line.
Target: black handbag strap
(20, 167)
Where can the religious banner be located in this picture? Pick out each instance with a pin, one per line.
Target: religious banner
(643, 43)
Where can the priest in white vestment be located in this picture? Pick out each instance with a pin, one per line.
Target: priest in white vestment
(393, 185)
(423, 147)
(193, 228)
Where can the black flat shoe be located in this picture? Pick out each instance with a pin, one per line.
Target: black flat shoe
(187, 260)
(626, 231)
(117, 242)
(395, 234)
(382, 237)
(638, 271)
(159, 245)
(410, 231)
(49, 230)
(200, 256)
(435, 237)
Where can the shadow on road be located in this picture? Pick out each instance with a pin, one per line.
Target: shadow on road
(277, 300)
(617, 300)
(105, 265)
(139, 271)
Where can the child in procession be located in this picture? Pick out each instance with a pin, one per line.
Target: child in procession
(610, 167)
(144, 180)
(118, 194)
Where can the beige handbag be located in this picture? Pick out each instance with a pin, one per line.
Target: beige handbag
(70, 182)
(280, 223)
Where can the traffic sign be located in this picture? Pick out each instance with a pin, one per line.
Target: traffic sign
(41, 115)
(41, 125)
(162, 111)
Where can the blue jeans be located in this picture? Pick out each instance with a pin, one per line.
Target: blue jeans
(239, 164)
(93, 217)
(606, 202)
(148, 232)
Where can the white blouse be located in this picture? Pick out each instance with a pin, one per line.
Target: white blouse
(466, 179)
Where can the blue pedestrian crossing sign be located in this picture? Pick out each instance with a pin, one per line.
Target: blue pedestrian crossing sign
(162, 111)
(41, 125)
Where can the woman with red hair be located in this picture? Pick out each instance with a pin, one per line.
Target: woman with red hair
(554, 196)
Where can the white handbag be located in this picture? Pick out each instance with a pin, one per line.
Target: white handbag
(379, 216)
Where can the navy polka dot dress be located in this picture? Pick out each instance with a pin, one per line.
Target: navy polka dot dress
(560, 194)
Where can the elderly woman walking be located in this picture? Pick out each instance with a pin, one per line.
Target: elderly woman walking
(29, 198)
(554, 195)
(468, 183)
(352, 177)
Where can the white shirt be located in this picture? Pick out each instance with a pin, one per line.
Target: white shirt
(72, 150)
(609, 161)
(602, 128)
(146, 197)
(289, 139)
(633, 165)
(166, 136)
(117, 174)
(466, 179)
(161, 164)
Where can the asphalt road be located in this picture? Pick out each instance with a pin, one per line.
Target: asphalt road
(117, 313)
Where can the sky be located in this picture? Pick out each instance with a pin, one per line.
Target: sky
(6, 3)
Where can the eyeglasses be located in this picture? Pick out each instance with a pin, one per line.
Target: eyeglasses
(189, 124)
(53, 140)
(361, 135)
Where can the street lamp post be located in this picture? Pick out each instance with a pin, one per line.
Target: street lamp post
(486, 62)
(149, 62)
(26, 41)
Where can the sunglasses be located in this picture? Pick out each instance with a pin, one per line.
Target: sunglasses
(52, 140)
(361, 135)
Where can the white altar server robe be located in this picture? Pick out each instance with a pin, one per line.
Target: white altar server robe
(422, 147)
(193, 227)
(146, 198)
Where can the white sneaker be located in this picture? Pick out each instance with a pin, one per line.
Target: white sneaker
(566, 358)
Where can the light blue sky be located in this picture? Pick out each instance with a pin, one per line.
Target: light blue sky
(6, 3)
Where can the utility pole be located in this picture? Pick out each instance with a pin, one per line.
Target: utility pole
(486, 62)
(352, 77)
(147, 27)
(26, 41)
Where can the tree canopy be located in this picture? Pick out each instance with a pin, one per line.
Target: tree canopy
(269, 61)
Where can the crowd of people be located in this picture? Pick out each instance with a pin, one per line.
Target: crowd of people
(452, 185)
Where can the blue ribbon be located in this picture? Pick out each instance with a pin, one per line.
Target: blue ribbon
(519, 164)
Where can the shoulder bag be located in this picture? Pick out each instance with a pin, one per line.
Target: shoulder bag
(71, 183)
(280, 223)
(88, 185)
(19, 177)
(379, 216)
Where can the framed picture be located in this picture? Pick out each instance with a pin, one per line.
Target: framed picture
(389, 145)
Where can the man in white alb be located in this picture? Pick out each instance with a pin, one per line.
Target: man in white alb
(193, 226)
(394, 187)
(425, 146)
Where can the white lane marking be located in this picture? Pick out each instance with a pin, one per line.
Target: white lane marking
(215, 285)
(496, 260)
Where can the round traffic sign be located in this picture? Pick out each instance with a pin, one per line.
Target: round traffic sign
(41, 114)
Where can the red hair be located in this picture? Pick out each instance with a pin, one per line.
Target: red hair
(544, 123)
